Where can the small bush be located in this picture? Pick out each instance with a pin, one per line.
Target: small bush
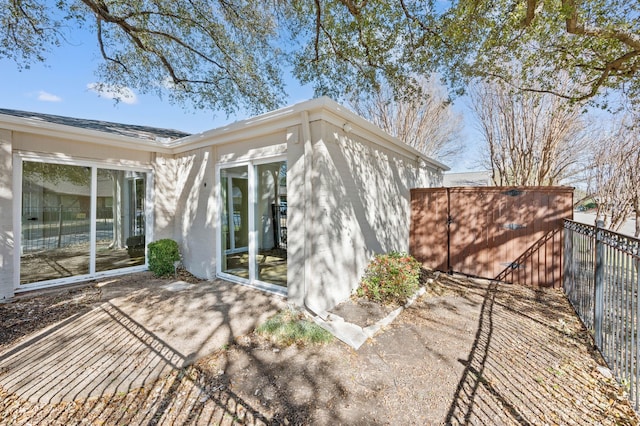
(288, 327)
(390, 278)
(162, 255)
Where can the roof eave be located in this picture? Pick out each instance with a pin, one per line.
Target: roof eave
(44, 128)
(291, 116)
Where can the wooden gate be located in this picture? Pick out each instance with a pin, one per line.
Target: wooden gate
(511, 234)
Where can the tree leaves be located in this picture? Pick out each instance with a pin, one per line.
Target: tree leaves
(231, 54)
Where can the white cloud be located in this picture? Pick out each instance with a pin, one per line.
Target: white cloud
(48, 97)
(119, 93)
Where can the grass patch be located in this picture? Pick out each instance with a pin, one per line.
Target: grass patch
(288, 327)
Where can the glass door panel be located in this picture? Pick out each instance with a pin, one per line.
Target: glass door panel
(120, 219)
(56, 203)
(271, 223)
(235, 221)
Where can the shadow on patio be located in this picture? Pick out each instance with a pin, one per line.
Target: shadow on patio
(532, 362)
(129, 359)
(469, 352)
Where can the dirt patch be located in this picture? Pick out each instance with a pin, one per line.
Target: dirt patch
(468, 352)
(364, 312)
(33, 311)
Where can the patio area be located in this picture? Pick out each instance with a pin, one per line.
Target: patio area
(170, 352)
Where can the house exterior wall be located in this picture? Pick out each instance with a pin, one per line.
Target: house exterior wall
(31, 143)
(6, 216)
(251, 149)
(347, 191)
(196, 212)
(297, 138)
(196, 195)
(360, 207)
(46, 147)
(165, 204)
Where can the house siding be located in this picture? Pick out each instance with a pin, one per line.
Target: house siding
(361, 207)
(195, 197)
(165, 204)
(295, 216)
(252, 149)
(195, 223)
(6, 216)
(47, 145)
(348, 192)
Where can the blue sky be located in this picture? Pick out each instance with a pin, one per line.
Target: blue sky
(65, 85)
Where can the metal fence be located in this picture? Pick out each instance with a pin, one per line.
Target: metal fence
(280, 229)
(57, 227)
(602, 283)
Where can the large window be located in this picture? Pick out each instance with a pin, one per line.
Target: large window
(253, 231)
(79, 220)
(235, 221)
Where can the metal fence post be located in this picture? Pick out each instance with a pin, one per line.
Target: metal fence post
(568, 275)
(60, 226)
(598, 285)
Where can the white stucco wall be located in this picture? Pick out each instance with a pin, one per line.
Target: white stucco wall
(165, 204)
(196, 218)
(347, 192)
(48, 147)
(6, 216)
(296, 231)
(360, 207)
(196, 194)
(73, 149)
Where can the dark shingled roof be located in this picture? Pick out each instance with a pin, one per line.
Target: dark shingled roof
(130, 130)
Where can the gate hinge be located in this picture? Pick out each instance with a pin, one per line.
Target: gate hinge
(513, 226)
(513, 192)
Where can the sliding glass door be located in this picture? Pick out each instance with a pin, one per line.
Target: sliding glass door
(234, 188)
(253, 231)
(56, 207)
(79, 220)
(120, 219)
(271, 223)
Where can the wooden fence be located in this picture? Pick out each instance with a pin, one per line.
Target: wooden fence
(511, 234)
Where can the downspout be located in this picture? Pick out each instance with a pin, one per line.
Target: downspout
(308, 205)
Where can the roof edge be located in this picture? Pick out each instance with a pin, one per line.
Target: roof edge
(47, 128)
(292, 114)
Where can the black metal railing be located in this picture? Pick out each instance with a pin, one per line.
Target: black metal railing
(602, 283)
(279, 213)
(56, 227)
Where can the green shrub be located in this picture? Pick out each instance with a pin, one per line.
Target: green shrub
(390, 278)
(162, 255)
(288, 327)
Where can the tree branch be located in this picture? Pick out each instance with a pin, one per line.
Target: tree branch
(316, 42)
(575, 27)
(531, 13)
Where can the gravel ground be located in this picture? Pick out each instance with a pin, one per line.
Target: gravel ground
(467, 352)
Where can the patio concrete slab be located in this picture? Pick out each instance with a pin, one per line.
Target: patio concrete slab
(130, 340)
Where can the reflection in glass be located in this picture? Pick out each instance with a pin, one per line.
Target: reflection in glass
(235, 221)
(271, 223)
(120, 219)
(56, 202)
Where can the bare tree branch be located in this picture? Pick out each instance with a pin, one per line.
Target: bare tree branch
(530, 138)
(426, 123)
